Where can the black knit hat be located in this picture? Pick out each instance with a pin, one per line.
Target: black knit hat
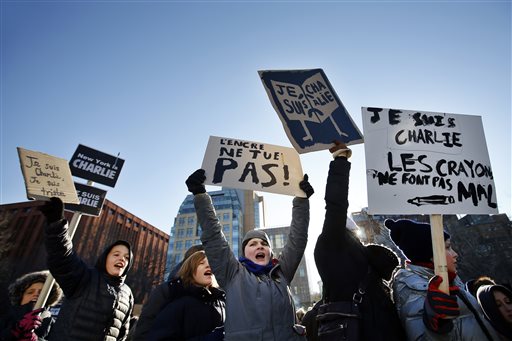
(255, 234)
(413, 238)
(18, 287)
(382, 259)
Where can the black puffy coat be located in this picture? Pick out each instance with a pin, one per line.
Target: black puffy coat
(342, 262)
(96, 306)
(194, 314)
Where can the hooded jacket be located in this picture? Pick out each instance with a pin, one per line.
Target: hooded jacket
(410, 289)
(194, 314)
(97, 306)
(485, 296)
(257, 307)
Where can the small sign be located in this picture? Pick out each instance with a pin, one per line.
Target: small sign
(420, 162)
(96, 166)
(91, 200)
(46, 176)
(252, 165)
(311, 112)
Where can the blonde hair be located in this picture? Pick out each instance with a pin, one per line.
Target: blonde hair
(189, 267)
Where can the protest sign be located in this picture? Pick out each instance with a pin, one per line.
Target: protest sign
(420, 162)
(46, 176)
(91, 164)
(252, 165)
(91, 200)
(311, 112)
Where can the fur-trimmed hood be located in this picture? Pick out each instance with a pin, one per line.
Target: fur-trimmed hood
(18, 287)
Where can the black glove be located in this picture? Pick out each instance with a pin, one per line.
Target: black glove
(306, 186)
(53, 210)
(440, 308)
(195, 182)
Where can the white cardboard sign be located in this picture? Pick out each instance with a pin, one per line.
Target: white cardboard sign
(251, 165)
(47, 176)
(420, 162)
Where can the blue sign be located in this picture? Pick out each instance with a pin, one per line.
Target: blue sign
(311, 113)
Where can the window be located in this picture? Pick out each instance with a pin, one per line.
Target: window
(225, 228)
(181, 233)
(190, 232)
(279, 242)
(188, 244)
(301, 272)
(181, 221)
(178, 258)
(225, 216)
(190, 221)
(178, 245)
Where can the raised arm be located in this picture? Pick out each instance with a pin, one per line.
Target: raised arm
(298, 237)
(67, 268)
(220, 256)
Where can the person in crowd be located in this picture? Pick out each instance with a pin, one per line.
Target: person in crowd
(357, 303)
(259, 305)
(160, 296)
(98, 303)
(198, 309)
(473, 284)
(496, 302)
(23, 322)
(426, 312)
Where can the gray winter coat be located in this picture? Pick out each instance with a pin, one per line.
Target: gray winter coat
(257, 308)
(410, 289)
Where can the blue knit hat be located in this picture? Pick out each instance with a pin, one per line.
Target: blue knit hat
(413, 238)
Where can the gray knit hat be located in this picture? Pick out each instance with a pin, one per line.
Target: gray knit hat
(18, 287)
(255, 234)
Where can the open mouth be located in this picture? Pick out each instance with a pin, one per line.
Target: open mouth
(119, 265)
(260, 256)
(207, 273)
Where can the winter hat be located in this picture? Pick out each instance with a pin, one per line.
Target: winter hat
(18, 287)
(486, 300)
(382, 259)
(413, 238)
(255, 234)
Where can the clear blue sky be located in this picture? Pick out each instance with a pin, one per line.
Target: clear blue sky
(152, 80)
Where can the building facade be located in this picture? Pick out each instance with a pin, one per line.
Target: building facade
(237, 210)
(300, 283)
(22, 247)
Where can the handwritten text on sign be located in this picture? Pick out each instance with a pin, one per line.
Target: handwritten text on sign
(311, 113)
(46, 176)
(427, 162)
(252, 165)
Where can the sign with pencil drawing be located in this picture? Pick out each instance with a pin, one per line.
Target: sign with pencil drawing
(311, 113)
(252, 165)
(420, 162)
(47, 176)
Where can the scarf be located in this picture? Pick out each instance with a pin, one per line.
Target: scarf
(256, 268)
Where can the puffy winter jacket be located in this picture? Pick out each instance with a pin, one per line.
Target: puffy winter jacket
(410, 289)
(257, 307)
(194, 314)
(96, 306)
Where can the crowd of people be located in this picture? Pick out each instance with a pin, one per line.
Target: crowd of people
(213, 295)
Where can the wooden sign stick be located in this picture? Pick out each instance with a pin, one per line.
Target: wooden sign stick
(439, 251)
